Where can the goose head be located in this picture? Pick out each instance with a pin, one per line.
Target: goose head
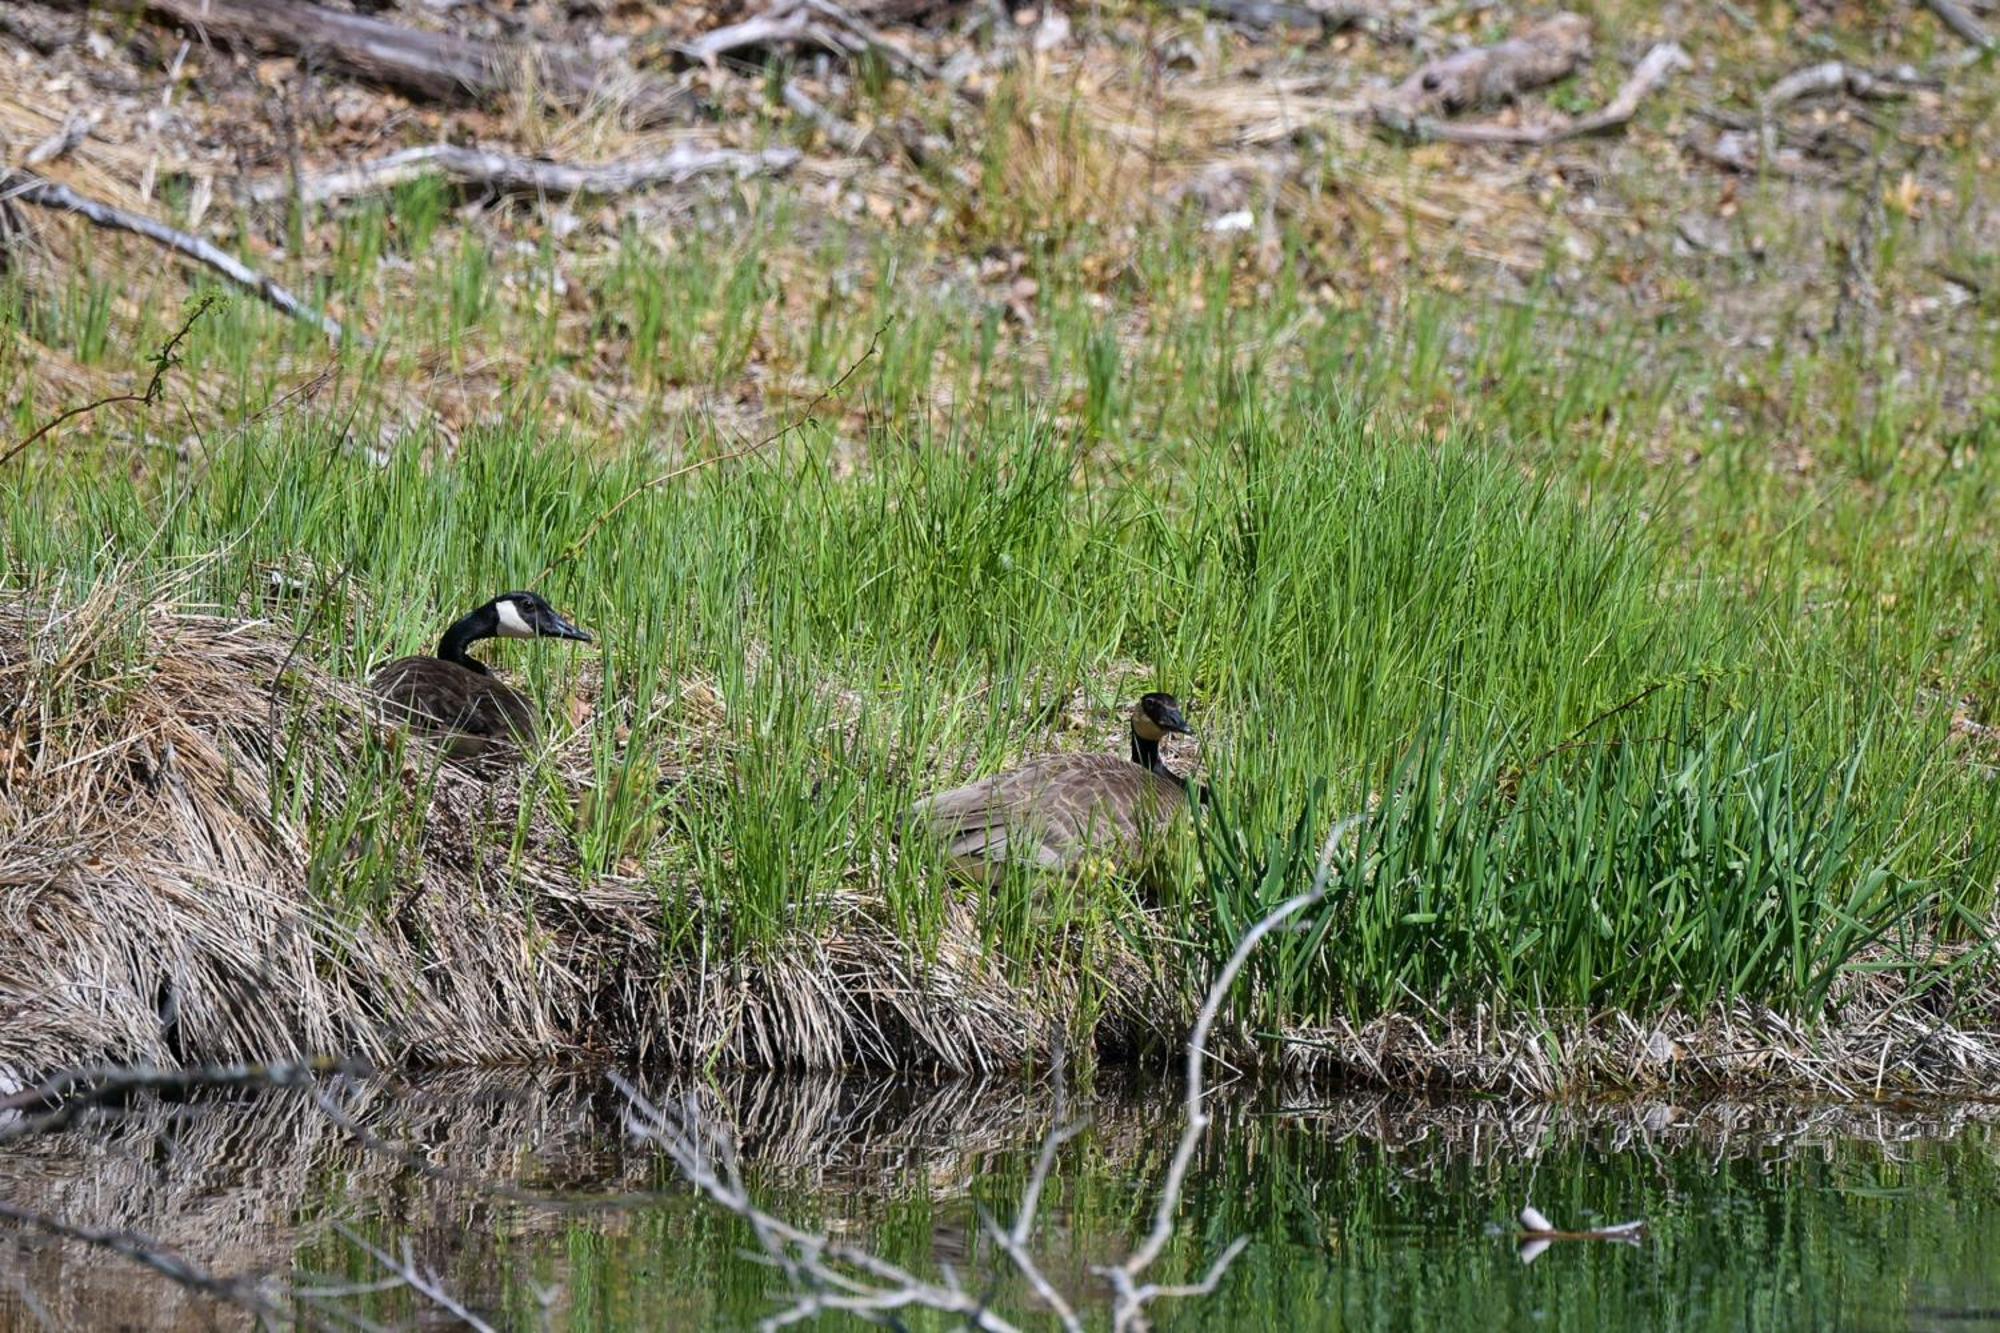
(1157, 716)
(511, 615)
(524, 615)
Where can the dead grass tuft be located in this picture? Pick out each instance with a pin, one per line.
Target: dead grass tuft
(167, 894)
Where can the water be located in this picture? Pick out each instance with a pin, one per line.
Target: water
(1362, 1213)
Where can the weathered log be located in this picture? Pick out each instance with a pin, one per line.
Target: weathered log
(430, 65)
(1485, 76)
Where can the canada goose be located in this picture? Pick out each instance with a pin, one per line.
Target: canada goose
(1054, 812)
(455, 695)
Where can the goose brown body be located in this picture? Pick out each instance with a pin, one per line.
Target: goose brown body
(1053, 813)
(453, 696)
(477, 715)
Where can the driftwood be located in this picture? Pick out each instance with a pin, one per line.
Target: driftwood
(511, 172)
(27, 188)
(434, 66)
(1545, 53)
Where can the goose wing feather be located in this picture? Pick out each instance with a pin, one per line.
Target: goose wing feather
(477, 711)
(1052, 812)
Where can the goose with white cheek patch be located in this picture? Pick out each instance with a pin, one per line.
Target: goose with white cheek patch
(1055, 812)
(454, 696)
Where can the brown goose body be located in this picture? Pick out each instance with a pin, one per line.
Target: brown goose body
(453, 696)
(1054, 813)
(477, 715)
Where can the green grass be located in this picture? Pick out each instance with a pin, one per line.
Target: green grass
(1634, 733)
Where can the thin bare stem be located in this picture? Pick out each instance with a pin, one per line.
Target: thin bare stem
(163, 360)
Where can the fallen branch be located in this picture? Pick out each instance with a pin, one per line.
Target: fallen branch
(1960, 20)
(432, 65)
(1544, 53)
(511, 172)
(28, 188)
(1834, 77)
(1657, 66)
(815, 22)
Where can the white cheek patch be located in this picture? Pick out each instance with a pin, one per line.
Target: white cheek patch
(511, 624)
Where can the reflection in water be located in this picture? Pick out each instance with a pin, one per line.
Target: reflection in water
(1362, 1212)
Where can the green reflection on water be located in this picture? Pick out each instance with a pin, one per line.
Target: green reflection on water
(1361, 1214)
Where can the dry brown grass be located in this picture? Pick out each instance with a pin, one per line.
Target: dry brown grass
(159, 899)
(1881, 1041)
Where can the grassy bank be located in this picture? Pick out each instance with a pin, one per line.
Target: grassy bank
(1614, 764)
(1654, 625)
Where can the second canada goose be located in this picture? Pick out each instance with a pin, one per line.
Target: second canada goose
(453, 694)
(1053, 813)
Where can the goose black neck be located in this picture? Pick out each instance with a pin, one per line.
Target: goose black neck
(462, 635)
(1146, 754)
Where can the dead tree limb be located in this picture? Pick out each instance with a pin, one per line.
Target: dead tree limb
(511, 172)
(28, 188)
(1961, 21)
(1485, 76)
(1654, 69)
(431, 65)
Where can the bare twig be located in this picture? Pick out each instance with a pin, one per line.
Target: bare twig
(823, 1274)
(424, 1283)
(165, 359)
(1657, 66)
(510, 171)
(817, 1268)
(28, 188)
(1832, 77)
(654, 483)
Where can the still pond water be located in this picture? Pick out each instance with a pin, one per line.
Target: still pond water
(1361, 1213)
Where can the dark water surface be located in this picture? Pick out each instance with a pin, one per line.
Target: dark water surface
(1361, 1213)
